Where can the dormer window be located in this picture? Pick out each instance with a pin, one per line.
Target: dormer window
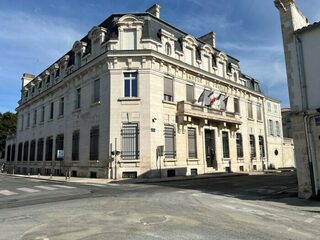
(129, 39)
(168, 49)
(48, 79)
(235, 77)
(189, 56)
(57, 73)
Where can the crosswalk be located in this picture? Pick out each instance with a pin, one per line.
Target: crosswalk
(34, 189)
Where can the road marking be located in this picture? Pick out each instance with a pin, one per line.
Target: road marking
(46, 188)
(29, 190)
(7, 193)
(309, 220)
(63, 186)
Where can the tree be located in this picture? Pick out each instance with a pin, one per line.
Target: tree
(8, 124)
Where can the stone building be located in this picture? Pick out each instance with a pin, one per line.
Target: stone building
(286, 122)
(302, 51)
(138, 97)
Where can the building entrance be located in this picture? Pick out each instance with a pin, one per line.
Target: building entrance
(210, 148)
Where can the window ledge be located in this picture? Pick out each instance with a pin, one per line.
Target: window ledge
(129, 161)
(95, 104)
(169, 160)
(193, 159)
(50, 120)
(260, 121)
(250, 119)
(76, 110)
(60, 116)
(129, 99)
(226, 159)
(169, 102)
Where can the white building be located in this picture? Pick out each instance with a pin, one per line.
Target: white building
(302, 51)
(132, 85)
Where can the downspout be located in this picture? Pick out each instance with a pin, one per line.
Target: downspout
(310, 149)
(265, 133)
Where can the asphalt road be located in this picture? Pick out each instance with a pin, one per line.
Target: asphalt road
(243, 207)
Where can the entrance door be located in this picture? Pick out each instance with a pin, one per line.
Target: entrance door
(210, 148)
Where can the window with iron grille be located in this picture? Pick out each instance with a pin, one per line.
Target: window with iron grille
(169, 138)
(8, 153)
(250, 115)
(130, 84)
(252, 146)
(13, 152)
(25, 151)
(239, 145)
(190, 93)
(225, 144)
(96, 91)
(40, 149)
(130, 141)
(59, 144)
(49, 148)
(19, 152)
(32, 150)
(94, 143)
(168, 89)
(75, 145)
(192, 143)
(261, 146)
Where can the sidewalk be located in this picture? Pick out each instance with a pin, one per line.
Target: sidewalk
(124, 181)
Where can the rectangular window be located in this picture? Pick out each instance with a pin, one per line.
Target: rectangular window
(28, 120)
(239, 145)
(168, 89)
(61, 107)
(250, 115)
(42, 113)
(129, 39)
(49, 148)
(40, 149)
(78, 98)
(278, 129)
(190, 93)
(96, 91)
(75, 145)
(131, 84)
(261, 146)
(20, 152)
(169, 139)
(13, 153)
(192, 143)
(32, 150)
(8, 153)
(271, 132)
(22, 122)
(252, 146)
(225, 144)
(130, 141)
(59, 145)
(269, 107)
(51, 110)
(94, 143)
(205, 64)
(35, 113)
(259, 112)
(25, 151)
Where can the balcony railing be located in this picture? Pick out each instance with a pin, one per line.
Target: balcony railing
(203, 112)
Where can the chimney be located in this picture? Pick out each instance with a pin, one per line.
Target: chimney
(26, 78)
(209, 38)
(154, 10)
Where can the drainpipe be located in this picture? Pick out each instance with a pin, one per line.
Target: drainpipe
(311, 152)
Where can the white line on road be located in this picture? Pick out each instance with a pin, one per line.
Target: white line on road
(63, 186)
(29, 190)
(309, 220)
(7, 192)
(46, 188)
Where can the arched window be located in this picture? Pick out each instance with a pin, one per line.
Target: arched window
(168, 49)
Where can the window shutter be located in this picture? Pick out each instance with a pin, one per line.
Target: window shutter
(168, 86)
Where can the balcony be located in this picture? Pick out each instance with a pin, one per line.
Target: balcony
(186, 109)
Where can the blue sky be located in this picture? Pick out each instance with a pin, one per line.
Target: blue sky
(33, 34)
